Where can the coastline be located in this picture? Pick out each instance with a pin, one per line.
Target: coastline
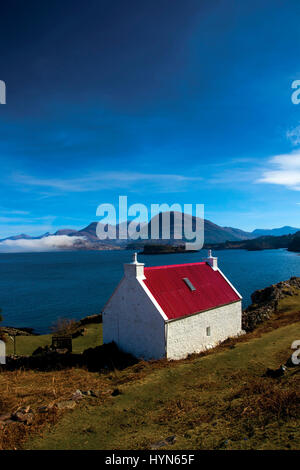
(38, 288)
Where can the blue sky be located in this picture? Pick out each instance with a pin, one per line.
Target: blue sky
(165, 101)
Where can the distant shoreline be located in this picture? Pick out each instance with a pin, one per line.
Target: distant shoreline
(73, 285)
(214, 247)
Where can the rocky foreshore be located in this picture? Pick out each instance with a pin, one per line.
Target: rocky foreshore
(12, 331)
(265, 302)
(24, 331)
(264, 305)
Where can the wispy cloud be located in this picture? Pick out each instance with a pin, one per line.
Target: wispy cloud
(106, 180)
(14, 220)
(51, 243)
(32, 220)
(13, 212)
(284, 170)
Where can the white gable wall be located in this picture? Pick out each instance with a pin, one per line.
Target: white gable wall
(133, 322)
(188, 335)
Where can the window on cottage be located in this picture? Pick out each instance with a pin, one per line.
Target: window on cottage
(188, 283)
(208, 331)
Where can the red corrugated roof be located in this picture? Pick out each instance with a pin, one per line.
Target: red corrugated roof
(177, 299)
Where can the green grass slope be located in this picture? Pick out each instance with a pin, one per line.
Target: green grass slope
(218, 401)
(25, 345)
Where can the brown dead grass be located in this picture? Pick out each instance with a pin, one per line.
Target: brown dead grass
(259, 398)
(262, 400)
(14, 434)
(35, 389)
(20, 389)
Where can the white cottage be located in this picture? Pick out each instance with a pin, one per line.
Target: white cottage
(172, 311)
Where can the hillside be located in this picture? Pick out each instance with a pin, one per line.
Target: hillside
(272, 301)
(291, 242)
(87, 239)
(213, 233)
(220, 399)
(275, 232)
(26, 345)
(294, 245)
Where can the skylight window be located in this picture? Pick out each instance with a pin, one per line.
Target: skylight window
(189, 284)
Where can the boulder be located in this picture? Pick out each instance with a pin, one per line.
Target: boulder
(165, 442)
(23, 415)
(66, 405)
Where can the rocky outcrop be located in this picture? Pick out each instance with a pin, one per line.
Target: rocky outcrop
(97, 318)
(11, 331)
(28, 416)
(265, 302)
(77, 328)
(295, 243)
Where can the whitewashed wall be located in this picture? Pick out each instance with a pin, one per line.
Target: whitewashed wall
(132, 321)
(188, 335)
(3, 352)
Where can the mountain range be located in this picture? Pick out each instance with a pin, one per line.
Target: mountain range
(86, 238)
(275, 232)
(265, 242)
(213, 233)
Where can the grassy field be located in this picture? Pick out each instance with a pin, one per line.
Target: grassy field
(290, 304)
(25, 345)
(217, 400)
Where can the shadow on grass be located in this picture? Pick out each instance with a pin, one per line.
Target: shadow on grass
(105, 357)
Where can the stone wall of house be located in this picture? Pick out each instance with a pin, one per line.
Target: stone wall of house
(202, 331)
(131, 320)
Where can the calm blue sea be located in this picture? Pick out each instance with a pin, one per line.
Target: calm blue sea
(38, 288)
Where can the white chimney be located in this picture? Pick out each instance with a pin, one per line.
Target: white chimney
(212, 260)
(134, 269)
